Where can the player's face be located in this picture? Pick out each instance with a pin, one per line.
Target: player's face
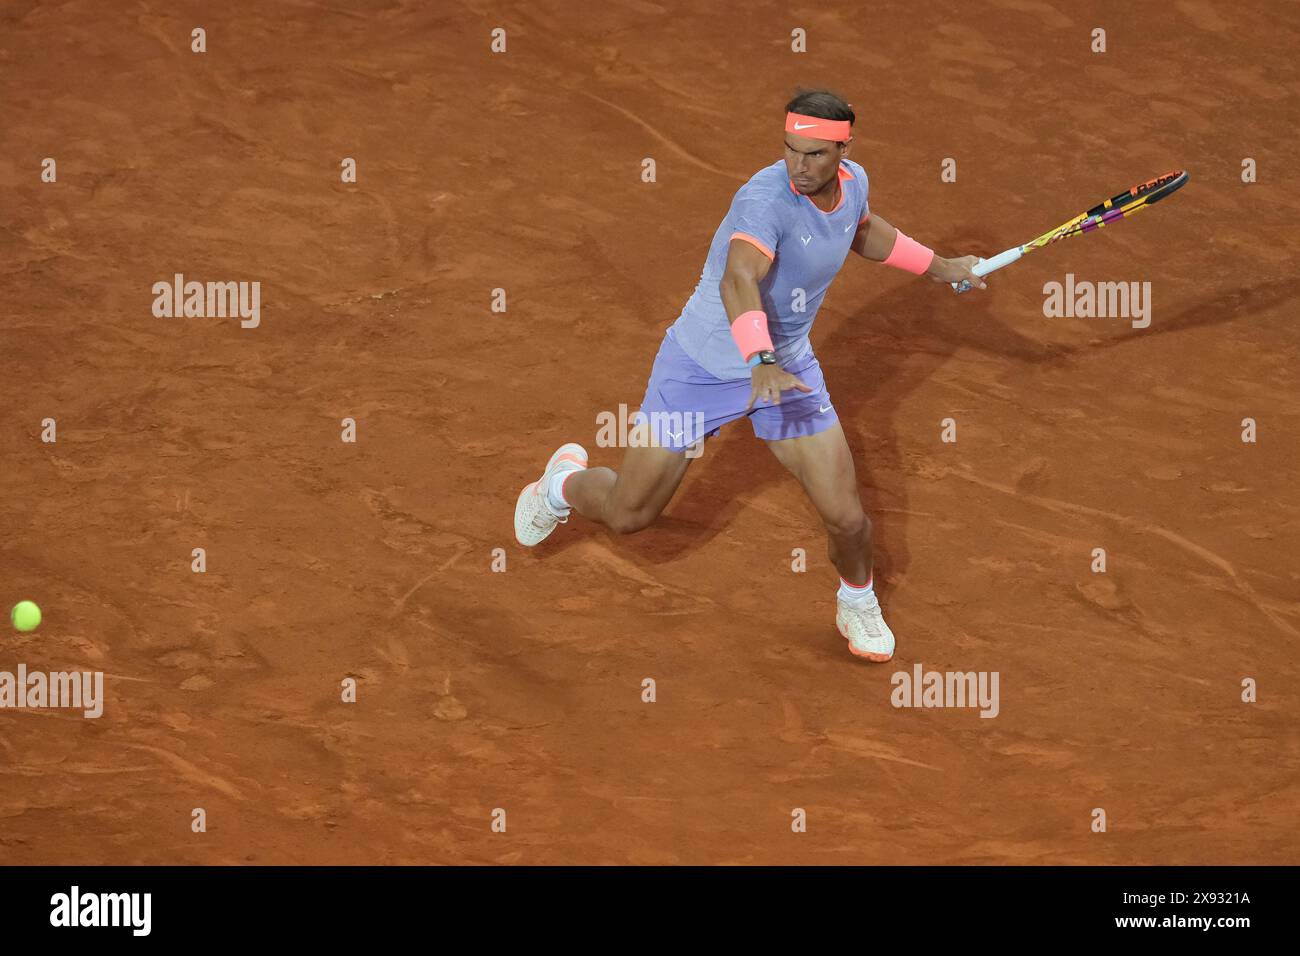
(812, 164)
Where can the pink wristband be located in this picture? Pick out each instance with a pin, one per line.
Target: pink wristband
(750, 332)
(909, 255)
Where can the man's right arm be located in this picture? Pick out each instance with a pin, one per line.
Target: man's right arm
(746, 267)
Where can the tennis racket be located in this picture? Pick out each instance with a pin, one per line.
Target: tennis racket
(1098, 217)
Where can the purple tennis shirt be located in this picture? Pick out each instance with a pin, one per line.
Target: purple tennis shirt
(807, 248)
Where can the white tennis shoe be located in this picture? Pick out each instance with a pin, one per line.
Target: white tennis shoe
(535, 519)
(868, 634)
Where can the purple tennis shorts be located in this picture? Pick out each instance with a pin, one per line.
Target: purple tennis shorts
(684, 403)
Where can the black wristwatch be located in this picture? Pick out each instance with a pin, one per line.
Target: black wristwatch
(767, 357)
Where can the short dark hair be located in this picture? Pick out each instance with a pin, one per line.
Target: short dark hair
(821, 103)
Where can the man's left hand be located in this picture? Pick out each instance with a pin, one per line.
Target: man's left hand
(954, 270)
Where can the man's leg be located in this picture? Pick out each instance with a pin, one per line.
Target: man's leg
(630, 499)
(823, 465)
(624, 501)
(683, 404)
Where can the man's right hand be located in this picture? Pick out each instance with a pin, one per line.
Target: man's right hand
(769, 381)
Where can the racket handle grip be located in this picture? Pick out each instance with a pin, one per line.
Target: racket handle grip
(985, 266)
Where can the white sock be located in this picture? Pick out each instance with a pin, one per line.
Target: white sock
(555, 493)
(857, 595)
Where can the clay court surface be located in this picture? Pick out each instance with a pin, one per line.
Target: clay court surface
(522, 690)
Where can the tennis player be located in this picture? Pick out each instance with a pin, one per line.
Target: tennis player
(740, 349)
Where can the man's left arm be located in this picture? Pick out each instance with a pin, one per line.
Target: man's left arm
(875, 240)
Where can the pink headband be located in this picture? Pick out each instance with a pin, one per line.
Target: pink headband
(817, 127)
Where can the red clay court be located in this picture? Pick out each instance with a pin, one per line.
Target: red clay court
(521, 690)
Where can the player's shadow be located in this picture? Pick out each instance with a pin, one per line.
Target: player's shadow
(873, 360)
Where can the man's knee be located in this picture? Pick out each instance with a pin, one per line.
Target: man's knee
(851, 523)
(630, 521)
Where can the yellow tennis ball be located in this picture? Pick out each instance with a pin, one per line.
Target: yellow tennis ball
(26, 616)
